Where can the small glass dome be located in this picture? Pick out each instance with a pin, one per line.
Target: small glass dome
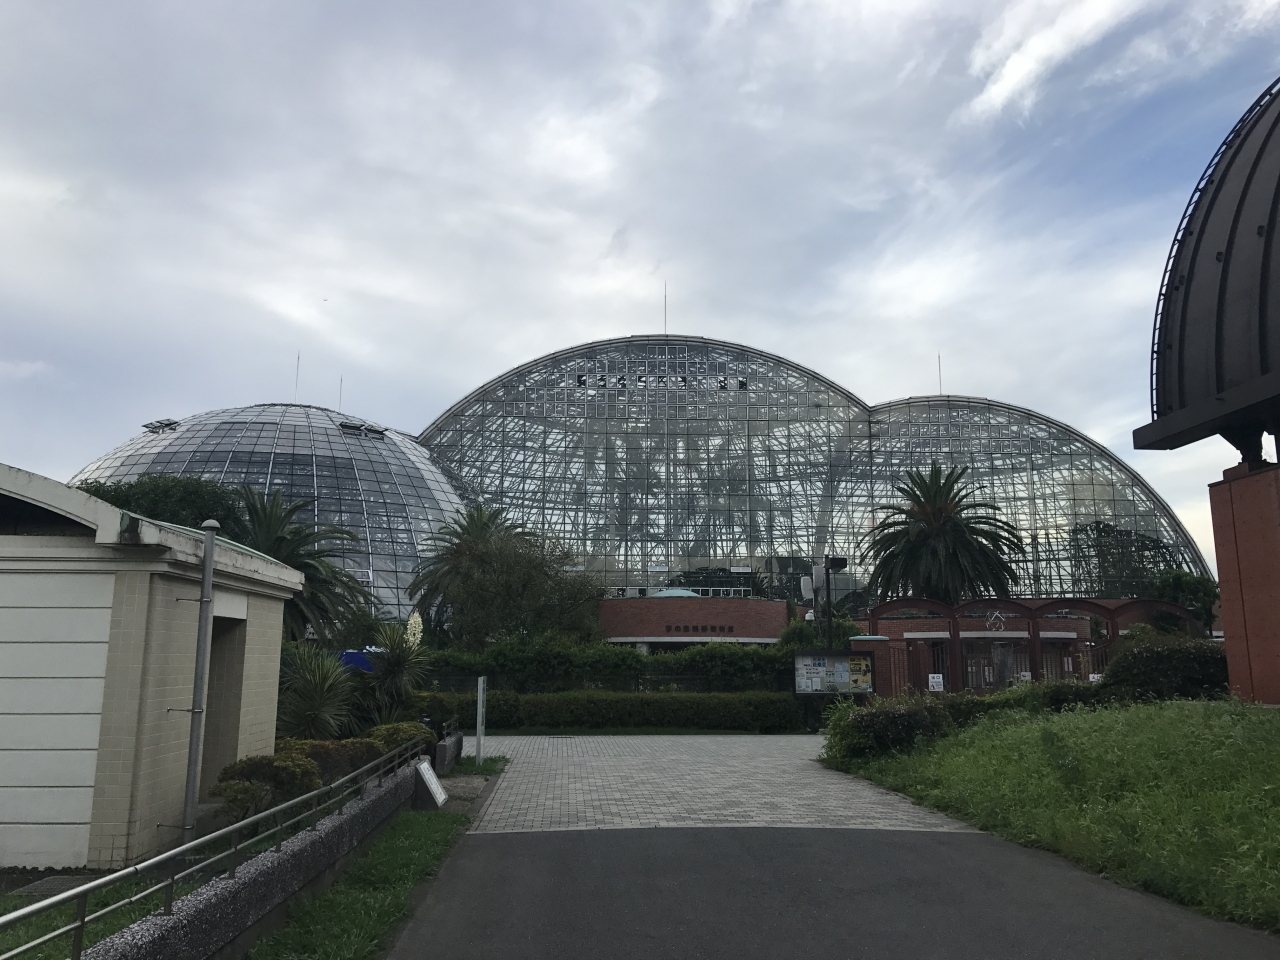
(362, 476)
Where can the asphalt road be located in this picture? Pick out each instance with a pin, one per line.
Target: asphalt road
(739, 893)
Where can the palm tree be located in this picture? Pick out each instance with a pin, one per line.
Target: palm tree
(329, 594)
(316, 694)
(462, 552)
(941, 544)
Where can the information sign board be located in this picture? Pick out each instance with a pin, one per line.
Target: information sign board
(833, 673)
(935, 683)
(429, 777)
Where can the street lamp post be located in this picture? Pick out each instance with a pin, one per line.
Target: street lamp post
(195, 743)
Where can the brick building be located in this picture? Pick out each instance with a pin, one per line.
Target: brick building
(674, 619)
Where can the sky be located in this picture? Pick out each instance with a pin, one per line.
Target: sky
(417, 196)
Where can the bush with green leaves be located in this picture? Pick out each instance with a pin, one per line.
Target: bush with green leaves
(549, 664)
(254, 784)
(186, 501)
(753, 711)
(334, 758)
(1166, 667)
(883, 727)
(316, 693)
(389, 736)
(813, 633)
(857, 729)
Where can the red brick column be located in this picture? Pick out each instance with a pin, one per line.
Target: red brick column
(1246, 533)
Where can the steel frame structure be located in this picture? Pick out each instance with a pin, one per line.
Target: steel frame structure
(653, 456)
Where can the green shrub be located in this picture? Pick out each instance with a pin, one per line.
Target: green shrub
(751, 711)
(1168, 668)
(389, 736)
(551, 665)
(881, 727)
(335, 758)
(255, 784)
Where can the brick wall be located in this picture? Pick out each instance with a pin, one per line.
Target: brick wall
(693, 618)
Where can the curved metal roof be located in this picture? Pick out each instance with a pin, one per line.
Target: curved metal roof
(1215, 355)
(585, 350)
(1101, 449)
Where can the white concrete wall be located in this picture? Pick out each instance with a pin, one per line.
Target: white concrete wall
(54, 629)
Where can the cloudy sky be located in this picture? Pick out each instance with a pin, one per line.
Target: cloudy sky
(419, 195)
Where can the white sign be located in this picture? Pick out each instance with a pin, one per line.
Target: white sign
(1095, 678)
(429, 777)
(1025, 675)
(935, 683)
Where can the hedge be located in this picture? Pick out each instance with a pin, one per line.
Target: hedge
(389, 736)
(1169, 670)
(334, 758)
(754, 711)
(549, 666)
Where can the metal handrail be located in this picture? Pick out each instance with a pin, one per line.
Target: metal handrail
(311, 805)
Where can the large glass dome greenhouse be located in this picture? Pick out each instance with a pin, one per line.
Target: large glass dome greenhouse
(671, 460)
(360, 475)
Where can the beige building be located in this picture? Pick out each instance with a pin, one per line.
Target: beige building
(98, 618)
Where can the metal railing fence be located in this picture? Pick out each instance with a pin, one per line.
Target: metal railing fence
(180, 869)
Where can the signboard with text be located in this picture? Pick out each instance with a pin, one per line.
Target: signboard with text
(833, 672)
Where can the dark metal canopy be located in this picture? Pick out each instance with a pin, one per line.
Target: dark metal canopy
(1215, 355)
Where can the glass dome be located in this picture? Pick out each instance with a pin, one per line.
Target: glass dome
(686, 462)
(362, 476)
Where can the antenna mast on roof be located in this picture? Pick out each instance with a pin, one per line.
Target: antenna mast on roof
(664, 308)
(297, 370)
(339, 393)
(939, 374)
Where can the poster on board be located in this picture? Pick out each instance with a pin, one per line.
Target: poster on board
(833, 673)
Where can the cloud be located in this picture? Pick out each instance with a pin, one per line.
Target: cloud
(1030, 40)
(418, 196)
(22, 369)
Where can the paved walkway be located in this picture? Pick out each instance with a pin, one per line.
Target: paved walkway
(600, 783)
(776, 858)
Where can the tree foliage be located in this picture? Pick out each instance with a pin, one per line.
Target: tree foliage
(487, 578)
(1198, 594)
(942, 544)
(330, 594)
(186, 501)
(316, 693)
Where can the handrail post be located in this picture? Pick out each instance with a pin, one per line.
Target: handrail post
(77, 938)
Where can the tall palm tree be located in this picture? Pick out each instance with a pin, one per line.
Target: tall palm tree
(941, 544)
(462, 552)
(329, 594)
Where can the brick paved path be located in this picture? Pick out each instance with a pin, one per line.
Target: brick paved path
(596, 783)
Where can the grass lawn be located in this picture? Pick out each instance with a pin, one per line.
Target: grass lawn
(351, 920)
(466, 767)
(1181, 799)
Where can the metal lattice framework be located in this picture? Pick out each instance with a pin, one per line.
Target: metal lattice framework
(652, 457)
(361, 476)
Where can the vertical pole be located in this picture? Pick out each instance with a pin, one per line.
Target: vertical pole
(196, 741)
(826, 572)
(481, 687)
